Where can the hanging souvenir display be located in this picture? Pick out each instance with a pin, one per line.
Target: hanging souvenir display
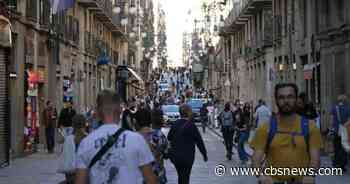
(31, 130)
(68, 91)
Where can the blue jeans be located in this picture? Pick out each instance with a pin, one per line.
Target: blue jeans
(243, 137)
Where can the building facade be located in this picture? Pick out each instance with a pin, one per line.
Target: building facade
(69, 56)
(267, 42)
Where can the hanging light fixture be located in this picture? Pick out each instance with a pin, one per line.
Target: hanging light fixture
(124, 21)
(221, 23)
(132, 35)
(117, 10)
(132, 10)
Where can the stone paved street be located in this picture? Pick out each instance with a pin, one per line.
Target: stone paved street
(41, 168)
(204, 172)
(38, 168)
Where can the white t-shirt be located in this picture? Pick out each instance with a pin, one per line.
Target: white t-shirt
(121, 162)
(263, 114)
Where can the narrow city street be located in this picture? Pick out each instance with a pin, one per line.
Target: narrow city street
(70, 69)
(41, 168)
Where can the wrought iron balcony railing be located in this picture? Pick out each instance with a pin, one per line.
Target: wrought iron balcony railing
(104, 12)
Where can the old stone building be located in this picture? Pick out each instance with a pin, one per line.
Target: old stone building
(247, 49)
(309, 46)
(68, 56)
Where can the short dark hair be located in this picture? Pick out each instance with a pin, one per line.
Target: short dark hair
(106, 102)
(48, 102)
(284, 85)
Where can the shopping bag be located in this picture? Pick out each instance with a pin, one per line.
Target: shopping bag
(67, 157)
(343, 132)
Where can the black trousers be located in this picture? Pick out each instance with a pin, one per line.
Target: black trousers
(340, 155)
(183, 172)
(227, 134)
(50, 138)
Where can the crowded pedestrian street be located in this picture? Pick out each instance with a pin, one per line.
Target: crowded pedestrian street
(174, 92)
(41, 168)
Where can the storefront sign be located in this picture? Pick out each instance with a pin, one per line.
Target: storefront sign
(308, 74)
(41, 75)
(308, 71)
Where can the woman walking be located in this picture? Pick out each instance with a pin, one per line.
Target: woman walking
(183, 137)
(159, 146)
(243, 130)
(70, 147)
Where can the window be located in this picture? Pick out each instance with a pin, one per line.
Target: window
(12, 4)
(31, 9)
(285, 16)
(340, 10)
(44, 7)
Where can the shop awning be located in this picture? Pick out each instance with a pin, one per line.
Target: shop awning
(135, 74)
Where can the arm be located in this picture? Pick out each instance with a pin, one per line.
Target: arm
(314, 158)
(199, 141)
(144, 160)
(148, 174)
(82, 172)
(81, 176)
(171, 133)
(60, 119)
(257, 158)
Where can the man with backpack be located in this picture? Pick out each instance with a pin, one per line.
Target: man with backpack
(112, 154)
(227, 122)
(287, 141)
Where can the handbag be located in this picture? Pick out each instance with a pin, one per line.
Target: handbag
(67, 157)
(60, 136)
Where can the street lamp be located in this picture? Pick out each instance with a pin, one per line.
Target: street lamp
(221, 23)
(124, 21)
(122, 77)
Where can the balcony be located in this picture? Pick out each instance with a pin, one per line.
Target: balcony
(243, 9)
(103, 11)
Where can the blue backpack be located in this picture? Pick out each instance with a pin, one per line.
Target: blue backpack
(274, 130)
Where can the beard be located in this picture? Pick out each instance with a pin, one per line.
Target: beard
(286, 109)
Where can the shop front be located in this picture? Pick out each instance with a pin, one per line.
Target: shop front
(5, 45)
(128, 83)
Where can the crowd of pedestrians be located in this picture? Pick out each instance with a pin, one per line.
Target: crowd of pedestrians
(123, 142)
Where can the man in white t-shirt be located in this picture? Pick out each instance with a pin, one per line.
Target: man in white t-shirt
(127, 161)
(262, 114)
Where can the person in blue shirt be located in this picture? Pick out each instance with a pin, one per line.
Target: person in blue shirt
(340, 115)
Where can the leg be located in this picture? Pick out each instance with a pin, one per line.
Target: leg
(230, 141)
(242, 154)
(224, 135)
(180, 173)
(340, 158)
(47, 136)
(187, 174)
(52, 138)
(203, 124)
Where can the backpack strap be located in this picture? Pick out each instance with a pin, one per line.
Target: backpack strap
(110, 142)
(305, 132)
(272, 132)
